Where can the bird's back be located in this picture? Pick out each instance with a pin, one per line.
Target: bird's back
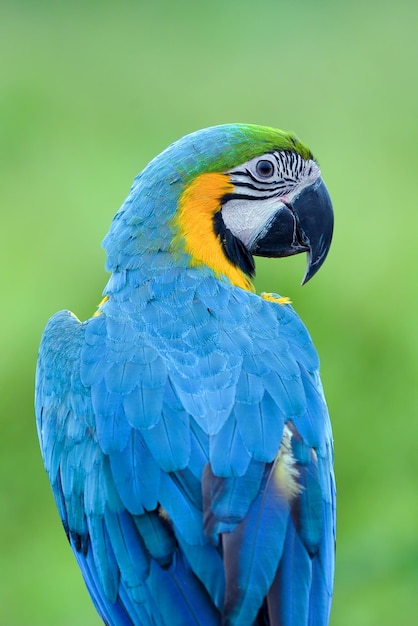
(189, 448)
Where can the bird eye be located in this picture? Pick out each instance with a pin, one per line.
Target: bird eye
(264, 168)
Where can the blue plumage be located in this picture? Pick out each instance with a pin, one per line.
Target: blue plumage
(253, 551)
(184, 428)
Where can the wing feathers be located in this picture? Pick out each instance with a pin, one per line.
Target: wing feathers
(185, 600)
(160, 425)
(261, 427)
(136, 475)
(169, 440)
(226, 500)
(227, 451)
(252, 552)
(288, 598)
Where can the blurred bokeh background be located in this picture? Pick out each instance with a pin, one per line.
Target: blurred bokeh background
(89, 92)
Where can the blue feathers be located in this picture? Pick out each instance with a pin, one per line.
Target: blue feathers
(136, 475)
(163, 458)
(252, 552)
(184, 428)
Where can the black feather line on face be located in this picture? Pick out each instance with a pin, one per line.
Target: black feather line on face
(233, 248)
(244, 196)
(266, 188)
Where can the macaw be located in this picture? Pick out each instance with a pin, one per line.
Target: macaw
(183, 426)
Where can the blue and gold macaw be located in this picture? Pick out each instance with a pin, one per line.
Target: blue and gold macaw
(184, 427)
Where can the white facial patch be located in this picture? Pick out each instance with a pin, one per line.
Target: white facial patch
(262, 186)
(246, 219)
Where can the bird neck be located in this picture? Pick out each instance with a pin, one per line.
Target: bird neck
(194, 224)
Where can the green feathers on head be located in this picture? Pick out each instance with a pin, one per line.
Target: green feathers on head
(220, 148)
(252, 140)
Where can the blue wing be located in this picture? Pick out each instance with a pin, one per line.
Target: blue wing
(190, 455)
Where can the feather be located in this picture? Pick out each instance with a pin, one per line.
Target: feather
(226, 500)
(99, 487)
(254, 365)
(213, 294)
(288, 598)
(93, 362)
(320, 594)
(129, 550)
(325, 557)
(253, 551)
(72, 477)
(289, 394)
(311, 424)
(250, 388)
(227, 451)
(143, 406)
(60, 502)
(199, 449)
(210, 409)
(122, 377)
(235, 342)
(113, 429)
(185, 592)
(94, 365)
(106, 405)
(307, 507)
(206, 562)
(182, 504)
(132, 611)
(116, 282)
(136, 475)
(217, 370)
(53, 447)
(200, 340)
(157, 535)
(281, 360)
(111, 612)
(169, 440)
(104, 559)
(261, 427)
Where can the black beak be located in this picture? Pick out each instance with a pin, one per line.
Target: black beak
(303, 225)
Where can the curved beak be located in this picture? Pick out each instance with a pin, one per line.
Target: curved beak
(304, 224)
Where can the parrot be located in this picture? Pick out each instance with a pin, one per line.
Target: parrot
(183, 426)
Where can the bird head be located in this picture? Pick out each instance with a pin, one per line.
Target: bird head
(220, 196)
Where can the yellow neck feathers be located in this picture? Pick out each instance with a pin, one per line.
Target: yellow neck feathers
(194, 222)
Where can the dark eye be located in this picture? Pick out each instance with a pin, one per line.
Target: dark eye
(264, 168)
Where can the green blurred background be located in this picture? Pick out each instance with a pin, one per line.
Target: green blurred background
(89, 92)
